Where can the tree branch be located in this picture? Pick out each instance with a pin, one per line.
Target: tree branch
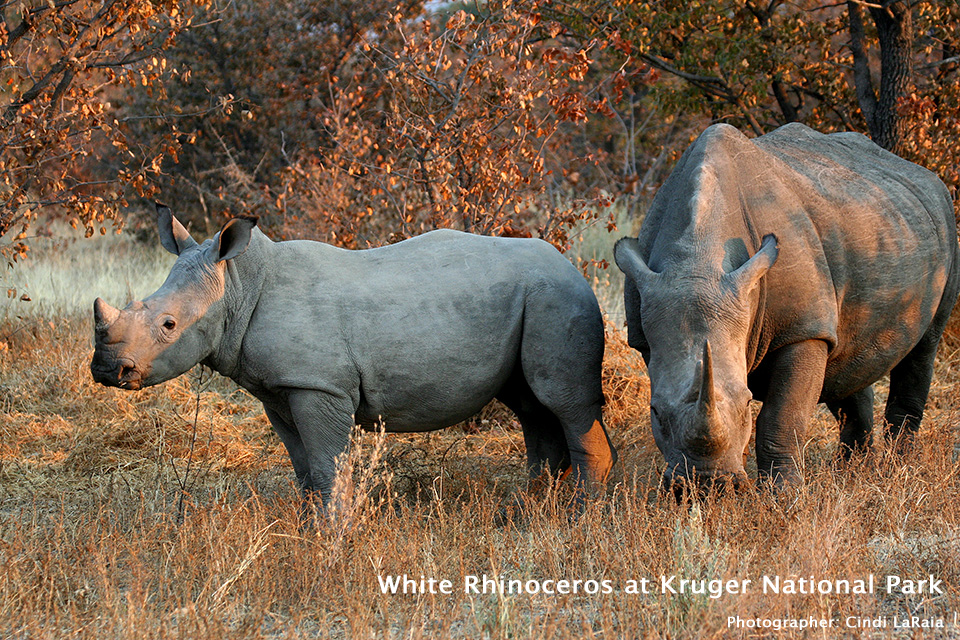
(663, 65)
(29, 19)
(57, 68)
(783, 100)
(939, 63)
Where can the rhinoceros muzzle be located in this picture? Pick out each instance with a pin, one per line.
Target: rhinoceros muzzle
(111, 365)
(121, 372)
(694, 482)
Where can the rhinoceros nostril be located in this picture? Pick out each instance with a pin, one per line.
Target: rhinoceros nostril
(126, 371)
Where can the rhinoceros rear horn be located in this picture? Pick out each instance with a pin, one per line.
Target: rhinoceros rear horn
(103, 314)
(626, 253)
(749, 274)
(173, 236)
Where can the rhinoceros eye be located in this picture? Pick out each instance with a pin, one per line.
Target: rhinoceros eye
(169, 324)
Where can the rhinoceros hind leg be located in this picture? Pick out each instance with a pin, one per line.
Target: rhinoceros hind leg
(561, 354)
(542, 432)
(910, 379)
(909, 387)
(578, 409)
(855, 415)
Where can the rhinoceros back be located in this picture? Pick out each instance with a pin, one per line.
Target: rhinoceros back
(887, 233)
(427, 330)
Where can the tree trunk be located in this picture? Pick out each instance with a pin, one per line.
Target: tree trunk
(895, 33)
(894, 22)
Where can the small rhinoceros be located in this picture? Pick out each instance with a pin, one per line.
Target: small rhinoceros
(794, 268)
(419, 335)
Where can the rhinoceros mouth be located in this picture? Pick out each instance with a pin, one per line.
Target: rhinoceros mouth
(130, 378)
(122, 374)
(698, 482)
(131, 385)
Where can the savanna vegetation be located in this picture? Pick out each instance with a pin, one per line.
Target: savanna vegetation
(171, 512)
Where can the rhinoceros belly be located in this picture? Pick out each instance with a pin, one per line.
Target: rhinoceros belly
(427, 375)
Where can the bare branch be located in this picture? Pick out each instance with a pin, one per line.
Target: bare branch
(57, 68)
(939, 63)
(711, 85)
(29, 20)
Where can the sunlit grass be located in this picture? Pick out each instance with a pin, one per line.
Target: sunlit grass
(63, 274)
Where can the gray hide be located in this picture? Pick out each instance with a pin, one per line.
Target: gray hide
(853, 274)
(420, 334)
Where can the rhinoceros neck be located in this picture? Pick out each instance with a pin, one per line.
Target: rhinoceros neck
(243, 280)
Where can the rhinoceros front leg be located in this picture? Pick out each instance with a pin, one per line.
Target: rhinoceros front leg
(323, 422)
(855, 415)
(796, 378)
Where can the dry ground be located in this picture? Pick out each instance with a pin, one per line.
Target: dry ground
(169, 513)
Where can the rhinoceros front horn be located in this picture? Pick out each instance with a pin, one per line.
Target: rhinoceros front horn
(707, 397)
(708, 434)
(711, 433)
(104, 314)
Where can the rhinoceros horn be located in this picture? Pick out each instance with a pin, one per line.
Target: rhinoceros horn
(104, 314)
(708, 433)
(707, 398)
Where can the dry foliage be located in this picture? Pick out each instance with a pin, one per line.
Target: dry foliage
(363, 122)
(470, 111)
(105, 533)
(62, 64)
(887, 69)
(366, 123)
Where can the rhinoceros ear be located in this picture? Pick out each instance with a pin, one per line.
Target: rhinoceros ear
(749, 274)
(627, 255)
(234, 237)
(173, 236)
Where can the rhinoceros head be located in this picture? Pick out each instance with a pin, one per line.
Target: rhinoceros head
(696, 321)
(179, 325)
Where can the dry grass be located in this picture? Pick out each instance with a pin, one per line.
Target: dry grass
(148, 515)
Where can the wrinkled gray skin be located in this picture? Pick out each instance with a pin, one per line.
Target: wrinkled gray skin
(421, 334)
(794, 268)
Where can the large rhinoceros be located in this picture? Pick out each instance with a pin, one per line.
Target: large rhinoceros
(853, 274)
(419, 335)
